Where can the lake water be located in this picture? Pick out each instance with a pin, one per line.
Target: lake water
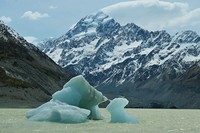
(151, 121)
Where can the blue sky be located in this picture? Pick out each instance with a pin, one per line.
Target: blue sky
(41, 19)
(62, 14)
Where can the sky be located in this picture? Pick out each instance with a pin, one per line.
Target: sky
(155, 15)
(39, 19)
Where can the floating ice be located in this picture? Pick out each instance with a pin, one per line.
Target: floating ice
(75, 103)
(80, 93)
(57, 111)
(118, 114)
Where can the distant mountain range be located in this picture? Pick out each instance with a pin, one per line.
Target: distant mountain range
(150, 68)
(28, 77)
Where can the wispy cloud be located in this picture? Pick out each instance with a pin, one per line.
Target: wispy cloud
(5, 19)
(155, 14)
(190, 18)
(52, 7)
(31, 39)
(34, 15)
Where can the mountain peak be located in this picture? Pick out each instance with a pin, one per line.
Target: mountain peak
(7, 32)
(98, 17)
(120, 60)
(88, 24)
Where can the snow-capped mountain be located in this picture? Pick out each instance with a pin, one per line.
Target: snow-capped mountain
(28, 77)
(127, 60)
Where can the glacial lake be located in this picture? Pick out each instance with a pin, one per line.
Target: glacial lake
(151, 121)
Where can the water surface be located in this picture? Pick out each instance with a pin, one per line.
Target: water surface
(151, 121)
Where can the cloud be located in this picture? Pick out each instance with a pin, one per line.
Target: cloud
(5, 19)
(52, 7)
(34, 15)
(31, 39)
(190, 18)
(155, 15)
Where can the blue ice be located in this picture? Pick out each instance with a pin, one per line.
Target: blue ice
(117, 112)
(57, 111)
(75, 103)
(80, 93)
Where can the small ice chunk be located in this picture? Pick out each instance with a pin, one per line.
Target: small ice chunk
(118, 114)
(57, 111)
(80, 93)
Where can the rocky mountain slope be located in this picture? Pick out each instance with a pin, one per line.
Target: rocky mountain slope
(147, 67)
(27, 76)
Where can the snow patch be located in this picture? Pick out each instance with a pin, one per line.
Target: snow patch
(146, 51)
(169, 54)
(56, 55)
(190, 58)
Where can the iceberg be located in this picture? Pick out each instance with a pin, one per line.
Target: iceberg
(78, 92)
(75, 103)
(118, 114)
(57, 111)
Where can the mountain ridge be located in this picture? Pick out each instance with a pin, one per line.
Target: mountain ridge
(127, 60)
(28, 76)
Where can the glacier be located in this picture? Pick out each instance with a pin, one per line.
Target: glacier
(118, 114)
(75, 103)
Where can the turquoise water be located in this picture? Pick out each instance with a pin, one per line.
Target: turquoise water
(151, 121)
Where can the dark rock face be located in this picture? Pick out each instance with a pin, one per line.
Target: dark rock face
(27, 76)
(143, 66)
